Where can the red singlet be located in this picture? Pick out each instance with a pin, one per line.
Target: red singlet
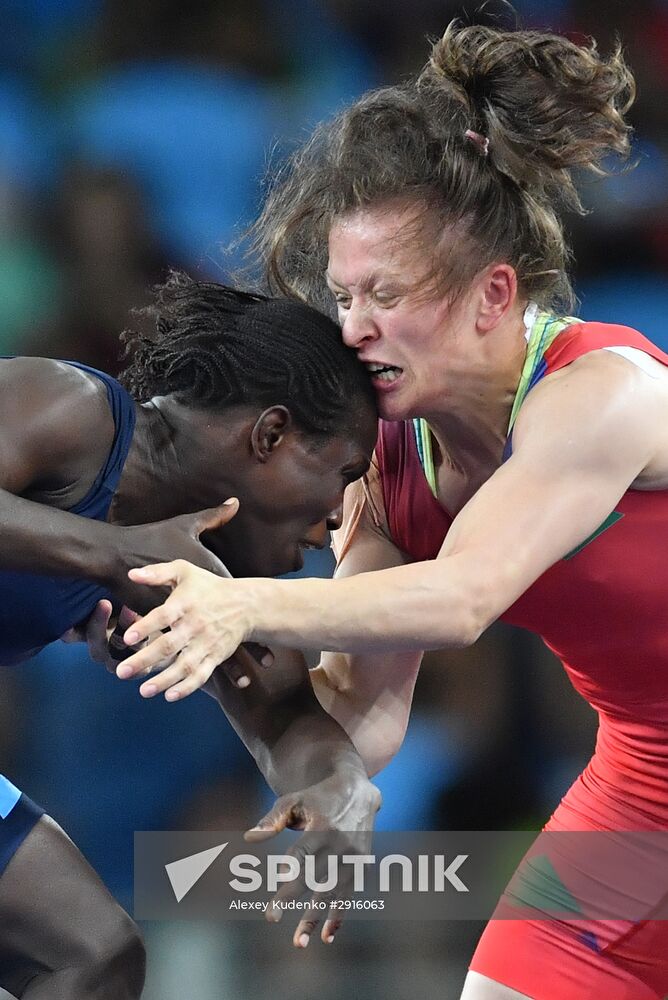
(604, 611)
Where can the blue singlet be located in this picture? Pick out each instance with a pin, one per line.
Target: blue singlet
(36, 609)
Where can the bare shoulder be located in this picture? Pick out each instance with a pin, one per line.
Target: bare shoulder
(55, 420)
(603, 404)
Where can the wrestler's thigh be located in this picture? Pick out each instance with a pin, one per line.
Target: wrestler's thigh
(54, 910)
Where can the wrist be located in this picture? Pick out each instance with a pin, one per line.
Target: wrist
(112, 563)
(260, 619)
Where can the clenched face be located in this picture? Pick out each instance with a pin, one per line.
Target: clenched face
(408, 341)
(291, 502)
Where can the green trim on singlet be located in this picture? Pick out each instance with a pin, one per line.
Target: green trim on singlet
(544, 329)
(611, 519)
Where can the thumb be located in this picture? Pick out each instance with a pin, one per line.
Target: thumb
(158, 574)
(277, 819)
(100, 615)
(126, 617)
(215, 517)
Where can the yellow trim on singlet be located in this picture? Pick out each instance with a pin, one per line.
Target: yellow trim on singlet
(544, 329)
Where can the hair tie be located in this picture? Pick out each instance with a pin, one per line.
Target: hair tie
(481, 142)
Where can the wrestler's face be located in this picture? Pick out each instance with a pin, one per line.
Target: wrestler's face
(290, 496)
(378, 278)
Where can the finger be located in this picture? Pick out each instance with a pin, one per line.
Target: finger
(278, 818)
(100, 614)
(215, 517)
(241, 668)
(288, 891)
(305, 929)
(331, 926)
(116, 646)
(160, 650)
(161, 574)
(127, 616)
(96, 632)
(261, 654)
(159, 620)
(321, 904)
(236, 673)
(185, 675)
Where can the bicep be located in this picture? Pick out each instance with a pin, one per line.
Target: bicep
(581, 443)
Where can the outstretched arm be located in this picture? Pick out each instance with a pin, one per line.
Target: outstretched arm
(564, 478)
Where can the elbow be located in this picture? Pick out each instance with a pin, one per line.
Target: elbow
(473, 616)
(377, 757)
(468, 626)
(378, 744)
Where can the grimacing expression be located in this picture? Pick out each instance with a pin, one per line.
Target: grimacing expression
(294, 502)
(406, 340)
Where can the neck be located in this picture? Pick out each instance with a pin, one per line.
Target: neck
(474, 427)
(147, 485)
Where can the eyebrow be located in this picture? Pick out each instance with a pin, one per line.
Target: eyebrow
(368, 282)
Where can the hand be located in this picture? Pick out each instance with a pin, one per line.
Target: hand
(177, 538)
(99, 637)
(338, 816)
(206, 619)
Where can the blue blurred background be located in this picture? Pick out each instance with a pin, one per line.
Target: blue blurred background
(134, 137)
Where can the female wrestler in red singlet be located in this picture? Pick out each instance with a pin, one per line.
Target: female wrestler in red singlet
(534, 485)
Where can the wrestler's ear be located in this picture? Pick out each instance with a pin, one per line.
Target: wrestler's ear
(496, 292)
(270, 431)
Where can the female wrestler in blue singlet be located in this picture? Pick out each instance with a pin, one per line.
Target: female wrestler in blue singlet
(238, 396)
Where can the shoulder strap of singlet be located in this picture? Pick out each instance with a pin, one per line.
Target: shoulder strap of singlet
(543, 330)
(97, 500)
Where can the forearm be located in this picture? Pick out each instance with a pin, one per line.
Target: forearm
(293, 740)
(424, 605)
(42, 539)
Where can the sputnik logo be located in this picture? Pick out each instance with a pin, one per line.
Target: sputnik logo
(184, 873)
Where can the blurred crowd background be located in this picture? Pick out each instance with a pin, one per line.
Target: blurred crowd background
(135, 137)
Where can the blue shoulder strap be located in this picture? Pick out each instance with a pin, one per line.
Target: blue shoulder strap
(96, 502)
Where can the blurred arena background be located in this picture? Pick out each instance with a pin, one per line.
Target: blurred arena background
(134, 137)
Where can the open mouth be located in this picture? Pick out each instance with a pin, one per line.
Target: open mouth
(383, 373)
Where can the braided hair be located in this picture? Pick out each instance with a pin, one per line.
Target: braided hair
(217, 347)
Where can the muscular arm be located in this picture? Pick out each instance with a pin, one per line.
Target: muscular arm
(584, 436)
(55, 430)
